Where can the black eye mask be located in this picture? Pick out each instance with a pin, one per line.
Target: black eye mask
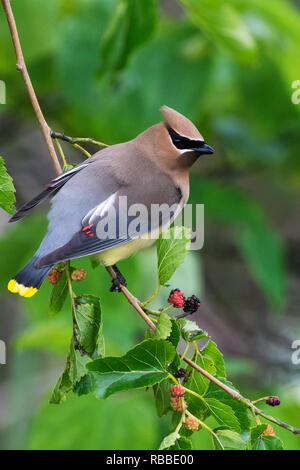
(184, 143)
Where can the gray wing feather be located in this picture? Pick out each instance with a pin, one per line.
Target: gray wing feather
(83, 244)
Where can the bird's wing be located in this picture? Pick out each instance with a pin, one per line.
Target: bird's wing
(110, 223)
(50, 190)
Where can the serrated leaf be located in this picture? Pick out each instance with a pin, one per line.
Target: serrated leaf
(163, 326)
(142, 366)
(224, 439)
(224, 414)
(174, 336)
(172, 247)
(211, 350)
(7, 189)
(197, 382)
(162, 397)
(182, 443)
(78, 362)
(241, 411)
(89, 325)
(58, 294)
(63, 386)
(190, 330)
(259, 441)
(87, 343)
(169, 440)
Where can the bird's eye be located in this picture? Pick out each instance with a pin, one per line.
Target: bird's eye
(183, 143)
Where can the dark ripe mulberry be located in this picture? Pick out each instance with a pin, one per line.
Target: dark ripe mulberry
(273, 401)
(191, 304)
(176, 298)
(180, 373)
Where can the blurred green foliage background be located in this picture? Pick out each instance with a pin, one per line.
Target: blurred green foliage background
(102, 68)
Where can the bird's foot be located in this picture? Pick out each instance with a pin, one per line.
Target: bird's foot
(118, 281)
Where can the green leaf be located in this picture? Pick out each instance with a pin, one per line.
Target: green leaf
(87, 343)
(162, 397)
(174, 336)
(59, 294)
(132, 24)
(89, 323)
(224, 414)
(190, 330)
(69, 166)
(224, 439)
(240, 410)
(183, 443)
(63, 386)
(163, 326)
(172, 247)
(197, 382)
(258, 441)
(211, 350)
(169, 440)
(142, 366)
(7, 190)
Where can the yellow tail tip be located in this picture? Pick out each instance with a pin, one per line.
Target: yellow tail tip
(16, 288)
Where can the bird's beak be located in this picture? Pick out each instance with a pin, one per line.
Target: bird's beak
(205, 149)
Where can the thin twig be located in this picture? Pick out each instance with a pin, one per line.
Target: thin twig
(21, 67)
(132, 300)
(76, 140)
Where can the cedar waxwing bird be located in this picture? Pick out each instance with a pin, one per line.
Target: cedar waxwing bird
(88, 216)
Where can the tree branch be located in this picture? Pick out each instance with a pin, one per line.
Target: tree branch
(233, 393)
(21, 67)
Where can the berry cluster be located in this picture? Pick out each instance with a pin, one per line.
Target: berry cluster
(273, 401)
(78, 274)
(178, 403)
(191, 304)
(192, 423)
(178, 300)
(55, 275)
(180, 373)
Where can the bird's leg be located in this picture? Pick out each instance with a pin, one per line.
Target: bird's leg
(118, 281)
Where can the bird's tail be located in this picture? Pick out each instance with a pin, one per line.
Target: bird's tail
(29, 279)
